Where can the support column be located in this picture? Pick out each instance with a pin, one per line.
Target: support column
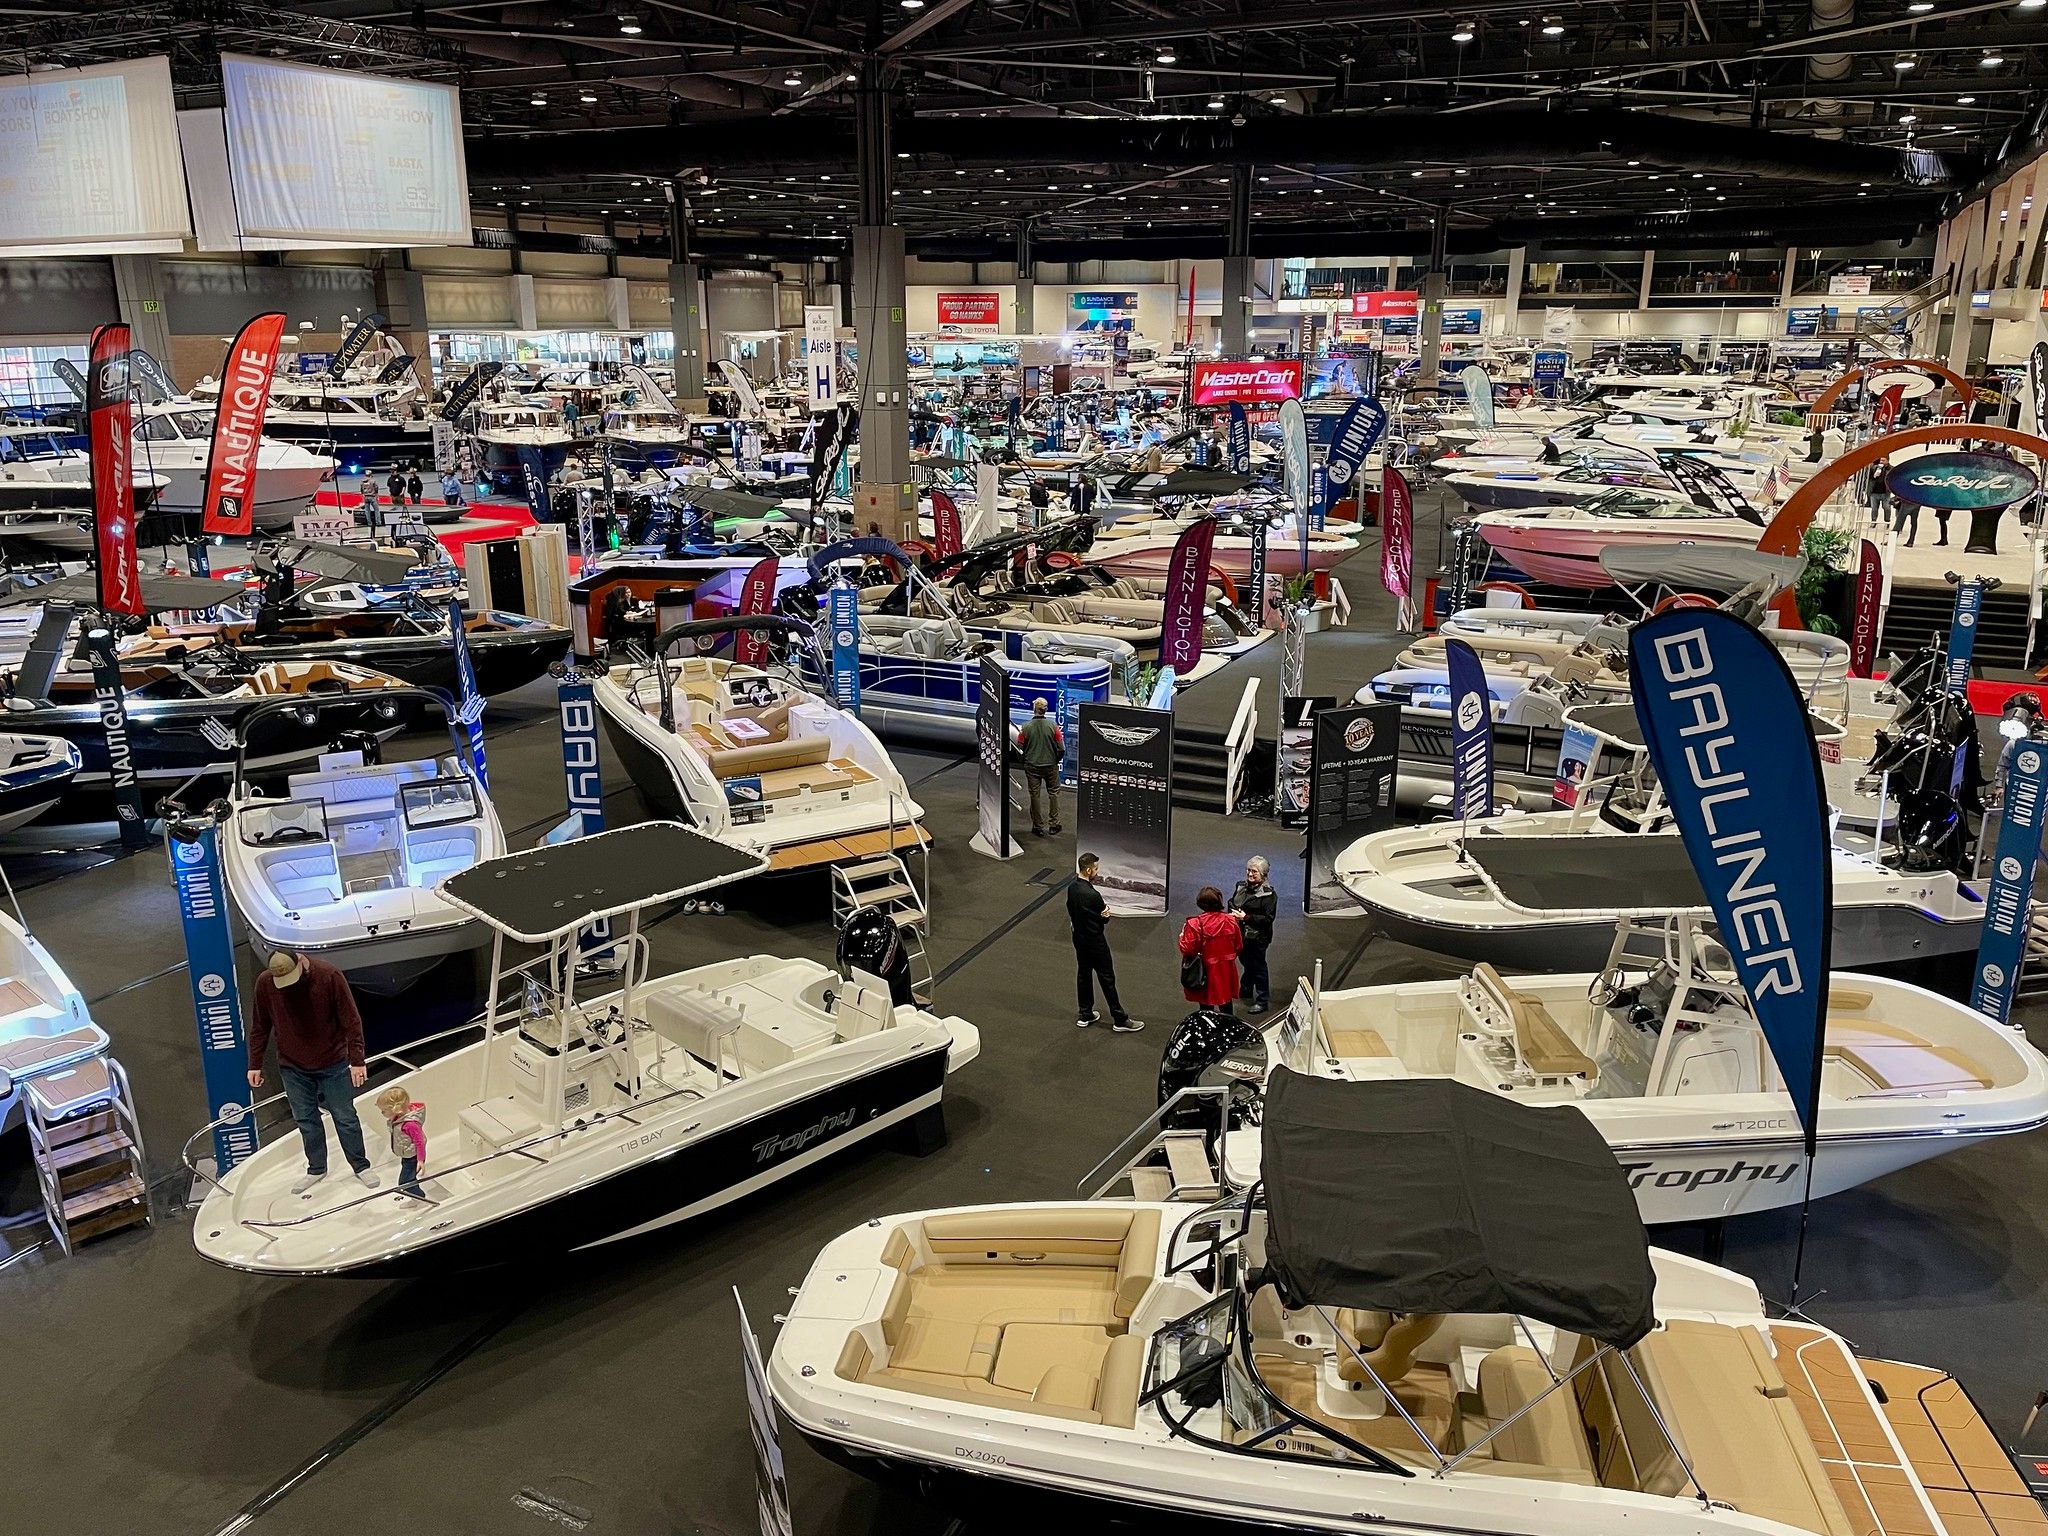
(685, 305)
(1644, 285)
(1025, 321)
(139, 295)
(401, 298)
(1435, 283)
(1969, 256)
(883, 494)
(1511, 297)
(1235, 291)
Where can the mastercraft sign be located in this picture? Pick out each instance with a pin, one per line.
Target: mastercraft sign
(1219, 383)
(1394, 302)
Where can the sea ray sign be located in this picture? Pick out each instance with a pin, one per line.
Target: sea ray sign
(1730, 741)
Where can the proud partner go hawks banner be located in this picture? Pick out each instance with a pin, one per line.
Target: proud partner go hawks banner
(251, 364)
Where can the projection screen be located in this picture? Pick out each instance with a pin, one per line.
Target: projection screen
(330, 155)
(89, 161)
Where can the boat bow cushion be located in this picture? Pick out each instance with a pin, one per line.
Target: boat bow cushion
(1549, 1433)
(736, 762)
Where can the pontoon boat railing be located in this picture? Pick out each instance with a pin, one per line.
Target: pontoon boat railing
(1239, 741)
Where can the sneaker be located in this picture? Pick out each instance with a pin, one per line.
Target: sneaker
(367, 1177)
(1127, 1026)
(306, 1181)
(1090, 1017)
(1057, 829)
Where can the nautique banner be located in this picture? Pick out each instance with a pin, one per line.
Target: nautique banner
(109, 427)
(230, 504)
(1729, 738)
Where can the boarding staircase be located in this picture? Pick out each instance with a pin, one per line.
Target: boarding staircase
(87, 1146)
(1172, 1154)
(883, 883)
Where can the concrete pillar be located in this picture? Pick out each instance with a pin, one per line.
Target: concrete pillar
(139, 295)
(883, 494)
(686, 321)
(1511, 297)
(1967, 260)
(1236, 290)
(1643, 287)
(1789, 284)
(401, 298)
(1025, 320)
(525, 314)
(1435, 283)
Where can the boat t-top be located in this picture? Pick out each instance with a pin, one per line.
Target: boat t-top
(575, 1121)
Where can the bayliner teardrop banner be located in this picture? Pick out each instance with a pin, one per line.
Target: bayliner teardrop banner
(1187, 592)
(245, 377)
(109, 426)
(1728, 735)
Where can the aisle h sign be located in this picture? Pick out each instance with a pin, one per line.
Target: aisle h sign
(821, 356)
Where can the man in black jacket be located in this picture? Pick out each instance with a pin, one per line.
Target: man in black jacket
(1255, 905)
(1092, 959)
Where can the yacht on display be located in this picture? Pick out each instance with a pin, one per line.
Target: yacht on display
(566, 1121)
(507, 430)
(645, 436)
(46, 490)
(1440, 1313)
(347, 865)
(751, 755)
(1562, 545)
(362, 421)
(174, 439)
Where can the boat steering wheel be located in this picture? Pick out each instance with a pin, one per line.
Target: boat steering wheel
(286, 835)
(1607, 987)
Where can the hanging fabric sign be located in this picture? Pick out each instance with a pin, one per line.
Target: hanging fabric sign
(2002, 946)
(469, 702)
(1962, 631)
(109, 427)
(1863, 629)
(1240, 439)
(1358, 433)
(842, 611)
(216, 1001)
(245, 380)
(1186, 599)
(946, 530)
(1397, 541)
(757, 592)
(1471, 733)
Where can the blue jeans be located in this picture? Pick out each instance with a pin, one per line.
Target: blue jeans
(306, 1092)
(409, 1176)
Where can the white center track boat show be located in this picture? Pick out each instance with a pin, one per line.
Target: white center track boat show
(580, 1120)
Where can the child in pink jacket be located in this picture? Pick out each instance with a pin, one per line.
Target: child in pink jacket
(408, 1123)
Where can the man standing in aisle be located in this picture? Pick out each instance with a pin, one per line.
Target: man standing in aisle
(306, 1003)
(1092, 959)
(1043, 749)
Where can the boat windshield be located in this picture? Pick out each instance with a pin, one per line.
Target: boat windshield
(17, 447)
(438, 802)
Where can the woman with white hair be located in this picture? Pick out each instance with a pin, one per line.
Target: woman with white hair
(1255, 905)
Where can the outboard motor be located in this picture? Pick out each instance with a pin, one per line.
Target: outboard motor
(1932, 832)
(1211, 1047)
(364, 742)
(871, 942)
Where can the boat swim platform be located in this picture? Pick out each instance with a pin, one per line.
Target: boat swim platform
(825, 851)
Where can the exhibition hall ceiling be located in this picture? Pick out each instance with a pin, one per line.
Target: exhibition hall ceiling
(1116, 124)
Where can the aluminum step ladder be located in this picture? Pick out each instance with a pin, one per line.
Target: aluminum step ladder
(87, 1145)
(883, 883)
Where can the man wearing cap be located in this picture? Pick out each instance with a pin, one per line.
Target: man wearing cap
(1043, 748)
(306, 1003)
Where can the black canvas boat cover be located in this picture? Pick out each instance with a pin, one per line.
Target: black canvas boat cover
(1700, 567)
(1589, 872)
(544, 893)
(724, 503)
(338, 562)
(1199, 482)
(1424, 1195)
(160, 594)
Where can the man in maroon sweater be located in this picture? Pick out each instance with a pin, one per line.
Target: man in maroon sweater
(307, 1005)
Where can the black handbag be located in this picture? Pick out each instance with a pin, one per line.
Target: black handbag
(1194, 973)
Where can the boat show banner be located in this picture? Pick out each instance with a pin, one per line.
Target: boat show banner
(1354, 766)
(539, 500)
(582, 775)
(467, 389)
(109, 426)
(355, 344)
(2037, 385)
(1297, 753)
(396, 369)
(230, 504)
(469, 701)
(946, 529)
(1397, 538)
(113, 707)
(1294, 460)
(1358, 433)
(1869, 614)
(1125, 804)
(1575, 753)
(757, 592)
(1479, 395)
(1240, 439)
(68, 374)
(821, 356)
(194, 846)
(1962, 631)
(992, 751)
(1219, 382)
(1318, 497)
(1885, 414)
(1729, 737)
(1186, 599)
(842, 613)
(1471, 733)
(1255, 595)
(2001, 948)
(148, 376)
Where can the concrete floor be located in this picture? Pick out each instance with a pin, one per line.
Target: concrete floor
(152, 1392)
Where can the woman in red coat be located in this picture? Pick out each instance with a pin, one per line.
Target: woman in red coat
(1217, 937)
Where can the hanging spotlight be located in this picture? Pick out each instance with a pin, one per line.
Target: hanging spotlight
(1215, 103)
(912, 5)
(588, 98)
(1991, 60)
(1465, 31)
(1552, 27)
(536, 100)
(1904, 62)
(629, 24)
(1166, 55)
(792, 78)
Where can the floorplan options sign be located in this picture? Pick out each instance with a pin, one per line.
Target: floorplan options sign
(1351, 784)
(1254, 383)
(992, 747)
(1126, 804)
(970, 314)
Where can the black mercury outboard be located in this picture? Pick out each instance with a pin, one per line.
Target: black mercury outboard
(364, 742)
(870, 942)
(1208, 1047)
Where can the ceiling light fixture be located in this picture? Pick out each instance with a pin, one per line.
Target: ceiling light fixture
(1909, 118)
(1464, 33)
(1552, 27)
(1215, 103)
(912, 5)
(1991, 61)
(792, 78)
(1904, 63)
(588, 98)
(1921, 7)
(1964, 101)
(536, 100)
(1166, 56)
(629, 24)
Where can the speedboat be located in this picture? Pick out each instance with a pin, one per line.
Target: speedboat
(751, 755)
(1562, 545)
(1662, 1051)
(347, 864)
(174, 439)
(1440, 1313)
(1432, 886)
(562, 1122)
(35, 773)
(1144, 547)
(46, 489)
(45, 1028)
(645, 436)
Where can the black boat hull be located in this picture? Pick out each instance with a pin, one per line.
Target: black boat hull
(503, 660)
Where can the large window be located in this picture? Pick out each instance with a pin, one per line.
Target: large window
(28, 380)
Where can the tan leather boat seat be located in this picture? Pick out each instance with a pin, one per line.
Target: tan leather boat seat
(1542, 1043)
(1550, 1433)
(1357, 1042)
(1899, 1062)
(1387, 1340)
(767, 756)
